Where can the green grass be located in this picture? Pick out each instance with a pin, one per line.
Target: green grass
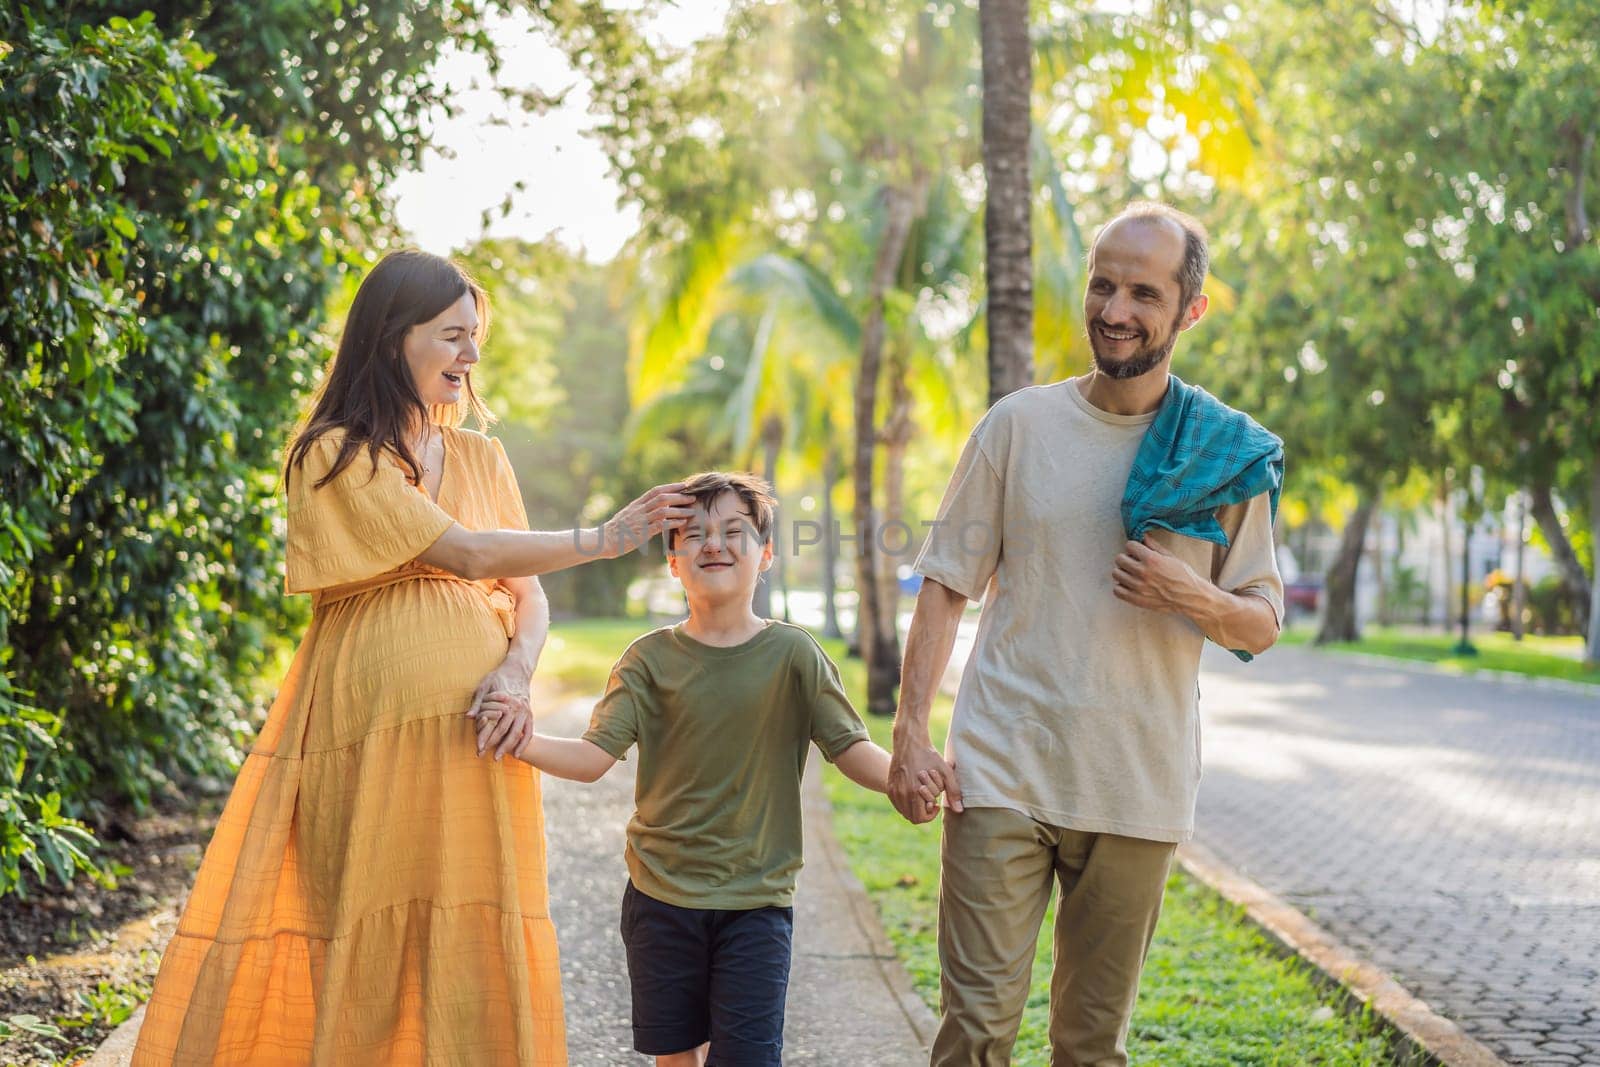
(578, 656)
(1536, 656)
(1215, 993)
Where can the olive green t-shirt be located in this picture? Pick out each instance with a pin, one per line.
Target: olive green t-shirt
(723, 735)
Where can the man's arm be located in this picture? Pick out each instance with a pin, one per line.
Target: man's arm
(1148, 576)
(916, 764)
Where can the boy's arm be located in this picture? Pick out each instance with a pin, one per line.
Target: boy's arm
(612, 728)
(567, 757)
(865, 764)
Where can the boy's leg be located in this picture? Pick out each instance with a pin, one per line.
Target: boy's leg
(695, 1057)
(749, 981)
(669, 952)
(994, 884)
(1111, 891)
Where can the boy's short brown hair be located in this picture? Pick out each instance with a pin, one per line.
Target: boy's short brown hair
(754, 493)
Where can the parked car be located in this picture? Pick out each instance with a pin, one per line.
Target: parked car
(1301, 596)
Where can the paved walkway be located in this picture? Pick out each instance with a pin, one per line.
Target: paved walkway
(1448, 828)
(845, 1006)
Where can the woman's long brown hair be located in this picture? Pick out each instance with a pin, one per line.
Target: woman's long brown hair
(368, 392)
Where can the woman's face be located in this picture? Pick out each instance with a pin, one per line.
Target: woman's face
(440, 352)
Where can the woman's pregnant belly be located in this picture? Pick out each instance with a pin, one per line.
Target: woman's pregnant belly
(407, 652)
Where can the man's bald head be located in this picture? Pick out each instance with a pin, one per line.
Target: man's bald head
(1196, 259)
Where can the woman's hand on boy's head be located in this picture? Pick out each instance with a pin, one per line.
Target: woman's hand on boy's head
(655, 511)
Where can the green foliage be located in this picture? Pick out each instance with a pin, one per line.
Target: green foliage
(36, 840)
(555, 368)
(1419, 274)
(42, 1033)
(1551, 608)
(94, 113)
(108, 1005)
(180, 194)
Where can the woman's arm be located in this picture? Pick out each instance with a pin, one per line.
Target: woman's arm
(477, 554)
(532, 623)
(508, 685)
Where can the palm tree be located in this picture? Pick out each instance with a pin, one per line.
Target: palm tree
(1008, 210)
(934, 255)
(887, 175)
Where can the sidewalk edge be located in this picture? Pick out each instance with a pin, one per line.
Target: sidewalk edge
(117, 1049)
(1425, 1036)
(819, 812)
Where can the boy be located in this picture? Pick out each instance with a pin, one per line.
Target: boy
(724, 707)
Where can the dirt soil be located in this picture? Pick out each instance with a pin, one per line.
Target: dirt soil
(81, 960)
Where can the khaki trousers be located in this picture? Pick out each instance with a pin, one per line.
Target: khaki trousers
(996, 872)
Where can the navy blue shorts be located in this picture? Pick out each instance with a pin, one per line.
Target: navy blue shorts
(701, 975)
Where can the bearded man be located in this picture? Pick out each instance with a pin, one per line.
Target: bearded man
(1110, 523)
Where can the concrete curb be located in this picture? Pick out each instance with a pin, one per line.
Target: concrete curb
(819, 815)
(1424, 1037)
(117, 1050)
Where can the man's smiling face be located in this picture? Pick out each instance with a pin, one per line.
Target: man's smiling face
(718, 554)
(1132, 306)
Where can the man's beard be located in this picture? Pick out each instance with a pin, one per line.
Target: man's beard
(1143, 361)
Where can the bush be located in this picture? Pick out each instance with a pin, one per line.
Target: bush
(178, 198)
(35, 838)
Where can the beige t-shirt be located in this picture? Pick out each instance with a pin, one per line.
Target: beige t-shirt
(1076, 708)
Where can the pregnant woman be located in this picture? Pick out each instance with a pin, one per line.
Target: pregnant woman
(375, 893)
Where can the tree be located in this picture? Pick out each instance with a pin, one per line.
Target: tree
(87, 107)
(1431, 235)
(1008, 207)
(1524, 176)
(1335, 301)
(182, 193)
(792, 94)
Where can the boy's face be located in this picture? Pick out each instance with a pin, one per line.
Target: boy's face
(718, 554)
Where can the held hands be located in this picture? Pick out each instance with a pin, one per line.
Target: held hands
(917, 775)
(661, 508)
(502, 708)
(1147, 575)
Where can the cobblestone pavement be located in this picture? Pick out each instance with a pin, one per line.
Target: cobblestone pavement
(1447, 828)
(840, 1011)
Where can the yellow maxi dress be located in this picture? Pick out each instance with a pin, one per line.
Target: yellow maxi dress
(375, 893)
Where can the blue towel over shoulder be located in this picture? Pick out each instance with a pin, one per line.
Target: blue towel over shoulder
(1199, 455)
